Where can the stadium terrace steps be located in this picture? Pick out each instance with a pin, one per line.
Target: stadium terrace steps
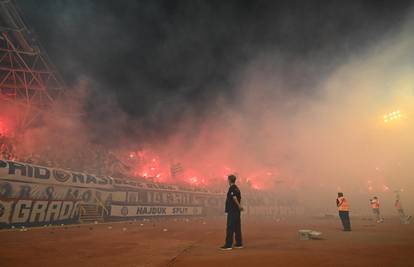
(90, 213)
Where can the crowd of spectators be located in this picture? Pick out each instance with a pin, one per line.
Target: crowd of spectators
(97, 160)
(6, 147)
(93, 159)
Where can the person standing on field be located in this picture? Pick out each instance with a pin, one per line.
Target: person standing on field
(375, 205)
(233, 210)
(343, 209)
(404, 219)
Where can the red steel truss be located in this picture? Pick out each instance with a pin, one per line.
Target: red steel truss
(27, 77)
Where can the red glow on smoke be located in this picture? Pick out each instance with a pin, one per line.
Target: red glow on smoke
(194, 178)
(148, 164)
(257, 186)
(145, 164)
(4, 128)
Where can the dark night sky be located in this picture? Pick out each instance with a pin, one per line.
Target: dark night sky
(159, 59)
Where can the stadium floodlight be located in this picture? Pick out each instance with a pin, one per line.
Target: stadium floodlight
(394, 115)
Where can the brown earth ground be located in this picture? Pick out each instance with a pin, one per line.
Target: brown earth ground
(195, 242)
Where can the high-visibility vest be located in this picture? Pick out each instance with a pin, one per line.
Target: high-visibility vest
(375, 204)
(342, 204)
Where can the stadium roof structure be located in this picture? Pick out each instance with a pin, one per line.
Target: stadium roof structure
(27, 76)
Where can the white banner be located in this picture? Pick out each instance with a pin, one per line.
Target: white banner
(27, 212)
(22, 172)
(28, 173)
(5, 211)
(141, 211)
(19, 190)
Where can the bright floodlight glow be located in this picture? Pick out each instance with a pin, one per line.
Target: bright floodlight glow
(394, 115)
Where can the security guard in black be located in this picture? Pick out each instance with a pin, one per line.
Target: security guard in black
(233, 215)
(231, 206)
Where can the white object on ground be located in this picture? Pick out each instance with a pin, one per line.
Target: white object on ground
(315, 235)
(304, 234)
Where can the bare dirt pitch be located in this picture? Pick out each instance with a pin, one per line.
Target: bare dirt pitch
(195, 243)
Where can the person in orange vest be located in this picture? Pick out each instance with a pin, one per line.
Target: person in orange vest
(375, 205)
(343, 208)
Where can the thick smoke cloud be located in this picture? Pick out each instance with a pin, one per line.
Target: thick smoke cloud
(161, 59)
(291, 96)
